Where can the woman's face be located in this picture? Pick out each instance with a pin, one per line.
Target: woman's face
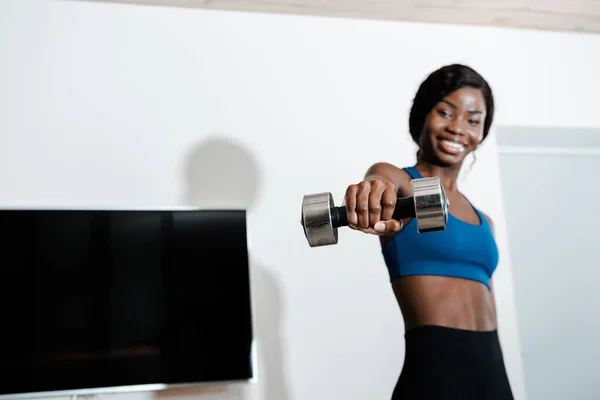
(454, 127)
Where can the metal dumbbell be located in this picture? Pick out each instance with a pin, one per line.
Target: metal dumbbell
(428, 204)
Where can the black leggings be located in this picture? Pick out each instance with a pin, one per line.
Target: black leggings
(446, 364)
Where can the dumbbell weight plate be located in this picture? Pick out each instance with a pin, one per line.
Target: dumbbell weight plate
(316, 219)
(431, 204)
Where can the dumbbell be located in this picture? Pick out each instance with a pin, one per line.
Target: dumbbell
(428, 205)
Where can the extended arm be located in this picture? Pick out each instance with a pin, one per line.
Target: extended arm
(391, 176)
(384, 172)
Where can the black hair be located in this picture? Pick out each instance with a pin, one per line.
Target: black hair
(441, 83)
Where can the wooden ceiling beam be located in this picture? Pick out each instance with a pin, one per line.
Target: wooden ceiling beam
(552, 15)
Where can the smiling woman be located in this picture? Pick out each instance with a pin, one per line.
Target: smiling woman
(442, 280)
(459, 99)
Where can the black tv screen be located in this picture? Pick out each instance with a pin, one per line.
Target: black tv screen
(119, 298)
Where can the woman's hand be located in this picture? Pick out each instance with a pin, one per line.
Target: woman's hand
(370, 205)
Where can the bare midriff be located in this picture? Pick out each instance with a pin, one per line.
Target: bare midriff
(450, 302)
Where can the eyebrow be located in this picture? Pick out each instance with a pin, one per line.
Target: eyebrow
(455, 107)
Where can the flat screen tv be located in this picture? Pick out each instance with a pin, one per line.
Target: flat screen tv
(117, 300)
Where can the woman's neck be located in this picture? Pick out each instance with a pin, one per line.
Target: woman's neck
(448, 175)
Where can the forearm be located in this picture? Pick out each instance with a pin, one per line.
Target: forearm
(383, 172)
(382, 178)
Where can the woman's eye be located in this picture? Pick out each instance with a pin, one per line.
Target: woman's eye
(444, 113)
(474, 122)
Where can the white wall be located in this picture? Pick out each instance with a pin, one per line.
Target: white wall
(112, 105)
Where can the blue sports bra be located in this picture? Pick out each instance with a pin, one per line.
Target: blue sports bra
(463, 250)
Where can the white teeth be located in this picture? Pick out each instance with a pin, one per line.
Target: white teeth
(454, 145)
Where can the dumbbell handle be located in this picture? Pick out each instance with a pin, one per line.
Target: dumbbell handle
(405, 208)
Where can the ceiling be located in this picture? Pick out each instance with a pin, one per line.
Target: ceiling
(554, 15)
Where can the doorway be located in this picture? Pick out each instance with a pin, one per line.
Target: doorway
(550, 188)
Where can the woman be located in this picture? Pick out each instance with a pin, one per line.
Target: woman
(442, 280)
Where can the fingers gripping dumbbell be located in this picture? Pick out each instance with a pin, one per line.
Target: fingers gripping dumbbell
(428, 205)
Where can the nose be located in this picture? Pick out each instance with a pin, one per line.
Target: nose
(457, 127)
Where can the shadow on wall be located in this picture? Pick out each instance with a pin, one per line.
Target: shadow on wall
(220, 173)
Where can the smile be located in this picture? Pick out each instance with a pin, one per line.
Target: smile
(452, 147)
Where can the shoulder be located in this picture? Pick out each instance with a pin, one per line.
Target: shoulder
(389, 172)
